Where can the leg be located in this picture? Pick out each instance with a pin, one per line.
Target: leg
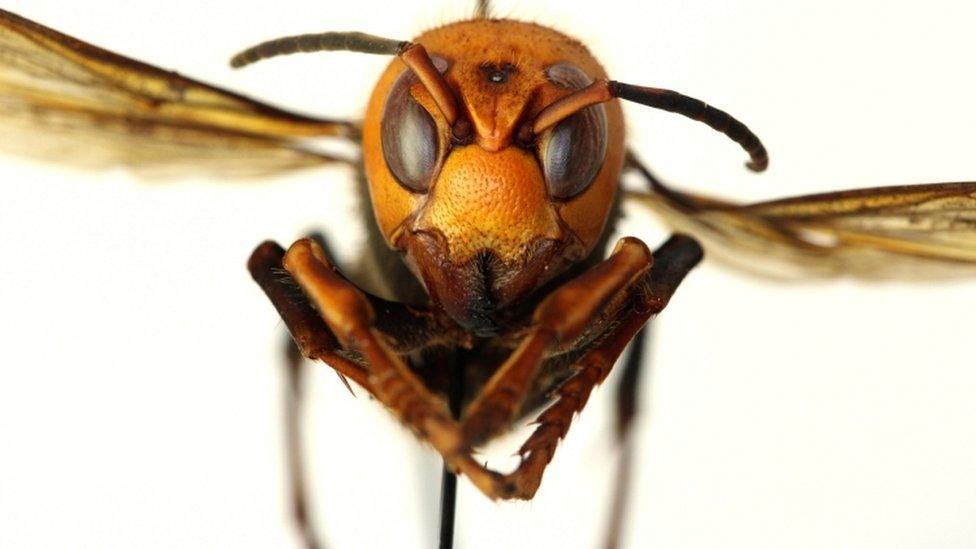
(309, 338)
(350, 316)
(318, 342)
(626, 410)
(409, 328)
(559, 320)
(294, 400)
(348, 313)
(627, 390)
(312, 336)
(294, 397)
(671, 263)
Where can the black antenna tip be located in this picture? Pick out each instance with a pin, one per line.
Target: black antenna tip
(758, 165)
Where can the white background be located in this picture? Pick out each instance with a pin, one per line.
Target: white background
(139, 393)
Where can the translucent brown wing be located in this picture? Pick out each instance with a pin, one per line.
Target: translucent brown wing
(885, 232)
(67, 101)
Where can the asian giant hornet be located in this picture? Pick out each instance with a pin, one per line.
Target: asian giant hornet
(740, 235)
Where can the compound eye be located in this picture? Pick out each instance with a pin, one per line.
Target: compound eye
(408, 134)
(572, 152)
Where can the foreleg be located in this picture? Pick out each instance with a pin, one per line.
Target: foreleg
(671, 263)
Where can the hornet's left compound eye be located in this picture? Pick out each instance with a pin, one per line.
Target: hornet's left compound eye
(572, 152)
(409, 134)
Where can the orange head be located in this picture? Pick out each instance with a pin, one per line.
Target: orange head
(492, 149)
(485, 211)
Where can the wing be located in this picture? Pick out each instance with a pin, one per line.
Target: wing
(914, 231)
(67, 101)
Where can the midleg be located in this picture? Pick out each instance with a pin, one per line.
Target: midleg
(626, 410)
(295, 372)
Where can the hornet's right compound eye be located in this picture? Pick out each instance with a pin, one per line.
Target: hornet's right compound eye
(409, 134)
(572, 152)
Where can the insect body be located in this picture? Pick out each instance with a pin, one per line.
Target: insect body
(493, 175)
(482, 291)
